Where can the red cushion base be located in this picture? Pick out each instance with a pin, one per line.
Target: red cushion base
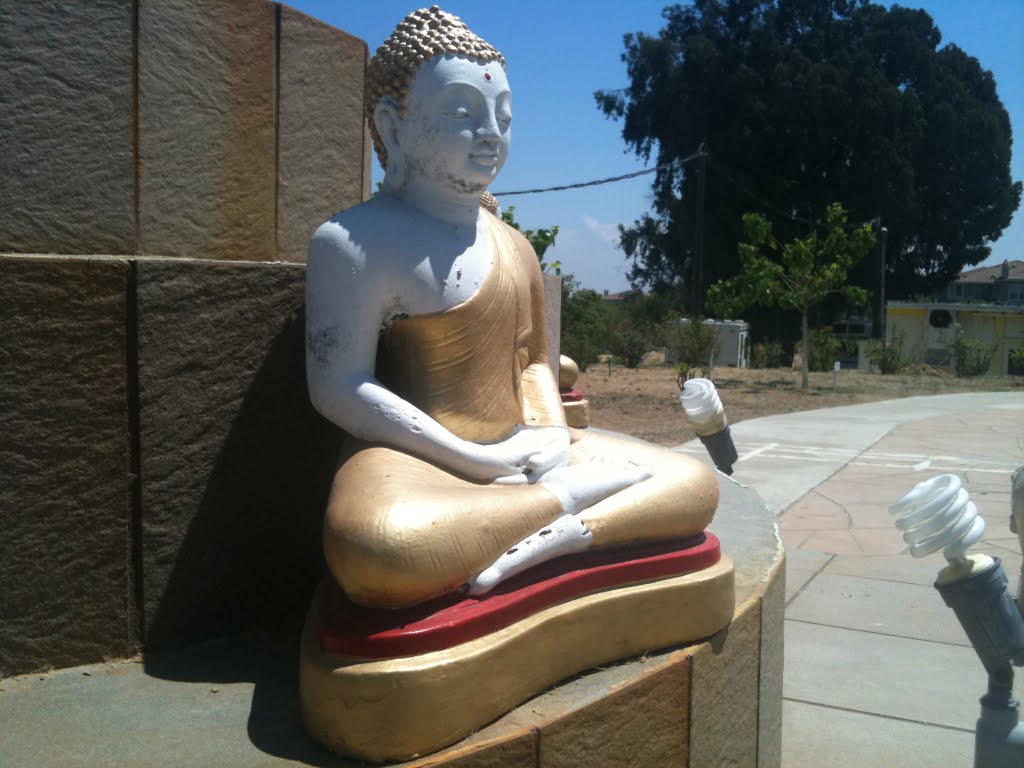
(351, 630)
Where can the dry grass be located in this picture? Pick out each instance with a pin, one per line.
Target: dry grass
(644, 402)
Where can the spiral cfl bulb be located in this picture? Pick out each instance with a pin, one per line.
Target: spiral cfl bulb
(938, 514)
(703, 407)
(706, 415)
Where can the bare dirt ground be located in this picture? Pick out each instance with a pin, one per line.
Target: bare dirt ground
(644, 402)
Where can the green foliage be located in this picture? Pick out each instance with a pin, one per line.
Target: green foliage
(825, 349)
(797, 275)
(802, 103)
(628, 340)
(584, 323)
(1016, 362)
(540, 239)
(807, 269)
(971, 357)
(694, 345)
(768, 354)
(889, 355)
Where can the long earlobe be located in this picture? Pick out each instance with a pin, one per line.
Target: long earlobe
(386, 120)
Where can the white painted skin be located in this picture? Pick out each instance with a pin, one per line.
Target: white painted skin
(421, 246)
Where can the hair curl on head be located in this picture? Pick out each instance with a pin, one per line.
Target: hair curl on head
(419, 37)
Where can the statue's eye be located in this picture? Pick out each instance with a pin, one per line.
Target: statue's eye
(458, 112)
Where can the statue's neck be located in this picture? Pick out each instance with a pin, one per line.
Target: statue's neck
(461, 209)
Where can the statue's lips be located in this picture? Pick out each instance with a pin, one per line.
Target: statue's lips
(486, 158)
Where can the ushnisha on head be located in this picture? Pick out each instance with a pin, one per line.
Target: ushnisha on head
(419, 37)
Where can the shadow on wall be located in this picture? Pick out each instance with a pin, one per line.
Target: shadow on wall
(248, 554)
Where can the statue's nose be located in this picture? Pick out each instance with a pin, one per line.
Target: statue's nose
(488, 130)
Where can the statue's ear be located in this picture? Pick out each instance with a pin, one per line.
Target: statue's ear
(386, 118)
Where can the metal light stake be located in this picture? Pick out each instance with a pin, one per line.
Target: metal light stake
(937, 514)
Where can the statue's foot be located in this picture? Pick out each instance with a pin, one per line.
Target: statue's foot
(564, 536)
(577, 487)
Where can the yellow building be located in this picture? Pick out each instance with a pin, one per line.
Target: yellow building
(927, 329)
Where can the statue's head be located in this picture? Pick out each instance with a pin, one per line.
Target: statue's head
(438, 103)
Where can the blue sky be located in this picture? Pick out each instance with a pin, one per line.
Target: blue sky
(559, 53)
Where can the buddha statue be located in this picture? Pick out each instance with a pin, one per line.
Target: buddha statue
(426, 345)
(479, 550)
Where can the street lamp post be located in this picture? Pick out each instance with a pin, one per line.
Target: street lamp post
(881, 313)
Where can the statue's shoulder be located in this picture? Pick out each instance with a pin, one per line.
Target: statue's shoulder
(369, 228)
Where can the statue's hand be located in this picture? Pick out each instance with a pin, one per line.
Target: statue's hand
(580, 486)
(528, 454)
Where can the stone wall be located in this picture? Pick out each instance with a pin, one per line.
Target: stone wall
(163, 474)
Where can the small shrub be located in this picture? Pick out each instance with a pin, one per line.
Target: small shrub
(1016, 362)
(890, 356)
(628, 343)
(694, 345)
(824, 349)
(971, 357)
(768, 354)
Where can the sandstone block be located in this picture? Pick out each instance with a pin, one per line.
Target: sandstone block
(645, 721)
(67, 126)
(206, 129)
(773, 607)
(236, 464)
(66, 492)
(725, 687)
(553, 315)
(321, 130)
(514, 750)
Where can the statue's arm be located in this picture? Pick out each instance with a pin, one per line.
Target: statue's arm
(345, 297)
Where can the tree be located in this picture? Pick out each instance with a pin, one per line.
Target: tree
(807, 270)
(540, 239)
(800, 103)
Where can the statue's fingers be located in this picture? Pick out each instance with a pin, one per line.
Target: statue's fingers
(549, 458)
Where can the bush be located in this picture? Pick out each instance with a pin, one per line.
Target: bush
(694, 345)
(768, 354)
(971, 357)
(628, 342)
(890, 356)
(1016, 362)
(824, 349)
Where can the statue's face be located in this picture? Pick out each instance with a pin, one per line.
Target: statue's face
(456, 131)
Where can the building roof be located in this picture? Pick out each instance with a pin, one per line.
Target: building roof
(618, 297)
(1008, 270)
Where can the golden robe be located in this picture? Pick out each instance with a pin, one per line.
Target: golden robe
(400, 530)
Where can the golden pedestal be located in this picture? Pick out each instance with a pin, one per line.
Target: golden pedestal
(399, 708)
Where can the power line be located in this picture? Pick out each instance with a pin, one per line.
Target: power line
(581, 184)
(578, 185)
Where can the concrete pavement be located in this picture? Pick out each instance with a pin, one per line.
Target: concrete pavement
(878, 671)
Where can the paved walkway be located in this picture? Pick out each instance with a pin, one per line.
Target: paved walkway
(878, 671)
